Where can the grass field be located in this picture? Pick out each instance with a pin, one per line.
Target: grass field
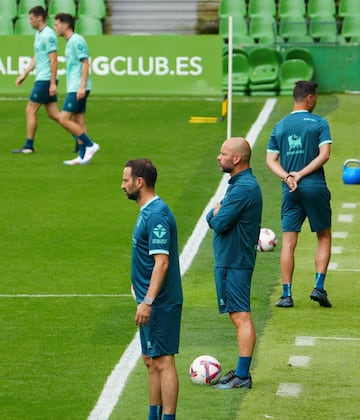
(67, 314)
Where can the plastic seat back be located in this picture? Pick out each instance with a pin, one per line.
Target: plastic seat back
(321, 8)
(264, 64)
(6, 25)
(290, 72)
(22, 26)
(232, 8)
(87, 25)
(291, 8)
(61, 6)
(239, 27)
(323, 27)
(262, 8)
(351, 27)
(349, 8)
(300, 54)
(8, 9)
(92, 8)
(262, 27)
(292, 27)
(26, 5)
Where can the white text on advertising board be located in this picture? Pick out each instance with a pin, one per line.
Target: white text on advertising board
(119, 66)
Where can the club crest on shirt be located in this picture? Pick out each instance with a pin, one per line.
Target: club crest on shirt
(295, 145)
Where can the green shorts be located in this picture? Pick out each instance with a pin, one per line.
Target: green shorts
(310, 202)
(233, 289)
(161, 336)
(40, 93)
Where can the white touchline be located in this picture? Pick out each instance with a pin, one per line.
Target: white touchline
(116, 381)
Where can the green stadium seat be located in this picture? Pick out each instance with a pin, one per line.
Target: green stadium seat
(290, 72)
(239, 27)
(321, 8)
(291, 9)
(87, 25)
(264, 65)
(349, 8)
(25, 5)
(300, 54)
(6, 25)
(321, 28)
(61, 6)
(262, 27)
(262, 8)
(292, 27)
(232, 8)
(351, 28)
(23, 27)
(240, 76)
(8, 8)
(92, 8)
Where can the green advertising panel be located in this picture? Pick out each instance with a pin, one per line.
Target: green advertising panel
(129, 65)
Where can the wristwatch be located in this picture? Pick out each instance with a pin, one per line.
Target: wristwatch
(148, 300)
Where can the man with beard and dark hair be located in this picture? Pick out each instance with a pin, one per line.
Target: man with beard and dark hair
(155, 276)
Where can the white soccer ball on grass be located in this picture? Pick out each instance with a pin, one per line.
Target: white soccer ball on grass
(205, 370)
(267, 240)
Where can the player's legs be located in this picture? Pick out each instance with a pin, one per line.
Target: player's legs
(66, 120)
(31, 119)
(169, 382)
(287, 256)
(245, 332)
(52, 111)
(323, 251)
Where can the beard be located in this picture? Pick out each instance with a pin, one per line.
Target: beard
(133, 196)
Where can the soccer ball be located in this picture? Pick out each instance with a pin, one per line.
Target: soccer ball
(205, 370)
(267, 240)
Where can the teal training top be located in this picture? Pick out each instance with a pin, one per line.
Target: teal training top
(75, 52)
(45, 43)
(155, 232)
(237, 224)
(297, 139)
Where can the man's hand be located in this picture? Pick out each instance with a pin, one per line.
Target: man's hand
(143, 312)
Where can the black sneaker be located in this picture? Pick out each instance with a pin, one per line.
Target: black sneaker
(25, 150)
(227, 377)
(321, 297)
(285, 302)
(235, 382)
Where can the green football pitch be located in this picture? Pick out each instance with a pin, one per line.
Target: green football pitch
(67, 314)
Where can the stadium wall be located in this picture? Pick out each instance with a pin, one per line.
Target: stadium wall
(166, 65)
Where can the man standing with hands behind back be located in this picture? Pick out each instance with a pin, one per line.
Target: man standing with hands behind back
(236, 223)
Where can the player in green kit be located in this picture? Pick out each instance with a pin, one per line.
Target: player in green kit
(78, 86)
(44, 62)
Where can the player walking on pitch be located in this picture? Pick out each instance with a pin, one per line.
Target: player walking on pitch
(155, 276)
(298, 148)
(78, 86)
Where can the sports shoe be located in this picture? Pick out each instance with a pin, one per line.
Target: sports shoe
(321, 297)
(90, 152)
(234, 382)
(25, 150)
(285, 302)
(227, 377)
(76, 161)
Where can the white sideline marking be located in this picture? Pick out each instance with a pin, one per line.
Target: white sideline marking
(333, 266)
(349, 205)
(341, 235)
(299, 361)
(305, 341)
(116, 382)
(346, 218)
(289, 390)
(336, 249)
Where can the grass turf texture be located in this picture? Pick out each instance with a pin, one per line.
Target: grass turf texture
(67, 230)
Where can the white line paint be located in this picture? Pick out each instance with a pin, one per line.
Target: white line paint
(341, 235)
(333, 266)
(110, 395)
(305, 341)
(311, 341)
(299, 361)
(336, 249)
(73, 295)
(345, 218)
(289, 390)
(349, 205)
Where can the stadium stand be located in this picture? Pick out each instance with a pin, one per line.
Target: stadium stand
(290, 72)
(323, 29)
(240, 28)
(292, 28)
(6, 25)
(321, 8)
(302, 54)
(61, 6)
(232, 8)
(349, 8)
(8, 8)
(262, 8)
(240, 75)
(262, 27)
(87, 25)
(22, 26)
(92, 8)
(292, 9)
(25, 5)
(351, 28)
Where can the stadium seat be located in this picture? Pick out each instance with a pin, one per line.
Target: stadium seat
(290, 72)
(351, 27)
(349, 8)
(240, 76)
(232, 8)
(262, 8)
(8, 8)
(291, 9)
(6, 25)
(25, 5)
(23, 27)
(262, 27)
(301, 54)
(292, 27)
(239, 27)
(321, 8)
(92, 8)
(321, 28)
(87, 25)
(264, 65)
(61, 6)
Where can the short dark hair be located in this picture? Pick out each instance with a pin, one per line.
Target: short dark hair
(143, 168)
(66, 18)
(303, 88)
(38, 11)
